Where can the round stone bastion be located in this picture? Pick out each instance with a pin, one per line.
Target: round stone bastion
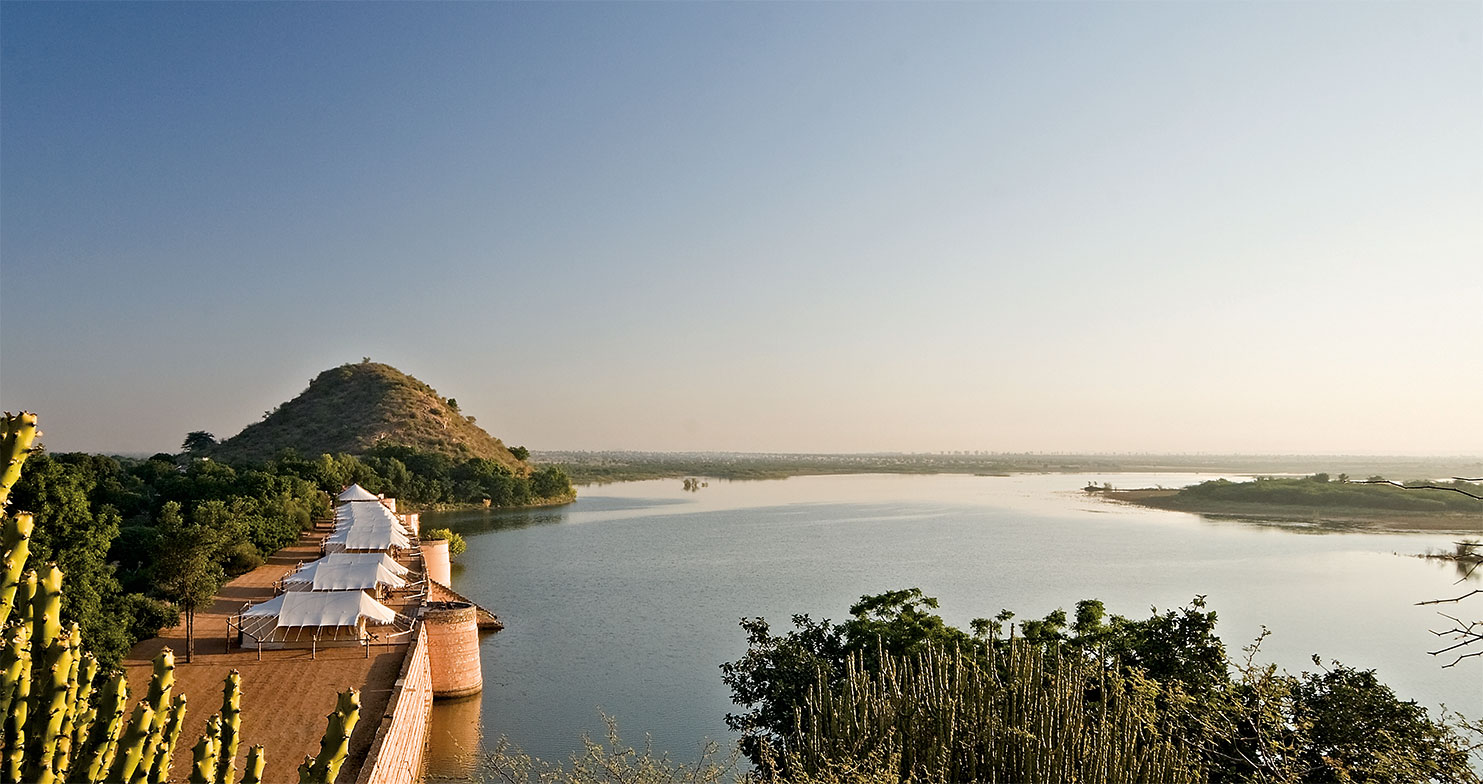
(452, 630)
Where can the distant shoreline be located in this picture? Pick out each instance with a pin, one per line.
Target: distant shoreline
(1383, 521)
(587, 468)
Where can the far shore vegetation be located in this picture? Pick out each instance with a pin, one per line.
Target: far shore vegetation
(1450, 505)
(601, 467)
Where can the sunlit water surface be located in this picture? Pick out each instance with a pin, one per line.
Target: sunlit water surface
(627, 601)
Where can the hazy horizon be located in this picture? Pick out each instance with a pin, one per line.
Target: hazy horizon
(1073, 228)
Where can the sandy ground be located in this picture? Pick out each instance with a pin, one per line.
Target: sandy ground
(285, 696)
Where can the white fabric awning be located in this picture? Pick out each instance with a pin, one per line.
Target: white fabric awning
(361, 576)
(364, 512)
(322, 608)
(357, 493)
(366, 538)
(380, 559)
(369, 515)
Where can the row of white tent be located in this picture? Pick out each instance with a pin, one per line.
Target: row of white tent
(365, 526)
(327, 599)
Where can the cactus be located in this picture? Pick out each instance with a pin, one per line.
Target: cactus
(231, 721)
(86, 709)
(159, 771)
(335, 742)
(161, 682)
(79, 686)
(17, 657)
(15, 548)
(102, 738)
(253, 774)
(17, 433)
(131, 745)
(25, 590)
(208, 748)
(50, 711)
(15, 720)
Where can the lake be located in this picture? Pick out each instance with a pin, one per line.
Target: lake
(627, 601)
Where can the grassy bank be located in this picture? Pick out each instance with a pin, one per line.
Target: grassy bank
(1318, 500)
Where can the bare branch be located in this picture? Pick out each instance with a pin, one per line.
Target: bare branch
(1419, 487)
(1450, 601)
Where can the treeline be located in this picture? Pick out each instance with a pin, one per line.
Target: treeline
(894, 694)
(140, 539)
(1322, 491)
(100, 519)
(603, 467)
(427, 479)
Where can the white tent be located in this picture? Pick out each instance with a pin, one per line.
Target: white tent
(373, 515)
(334, 615)
(380, 559)
(366, 538)
(357, 493)
(357, 576)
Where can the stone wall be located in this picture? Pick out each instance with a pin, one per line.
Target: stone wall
(396, 753)
(452, 632)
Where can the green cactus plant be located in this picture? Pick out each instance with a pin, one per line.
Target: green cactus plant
(79, 686)
(15, 549)
(253, 774)
(160, 771)
(335, 743)
(131, 744)
(15, 721)
(161, 683)
(17, 657)
(50, 711)
(17, 434)
(102, 737)
(231, 721)
(206, 753)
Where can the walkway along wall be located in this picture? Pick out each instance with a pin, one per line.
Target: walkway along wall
(396, 752)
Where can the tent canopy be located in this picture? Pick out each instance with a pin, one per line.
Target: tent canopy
(358, 576)
(366, 538)
(369, 516)
(322, 609)
(380, 559)
(357, 493)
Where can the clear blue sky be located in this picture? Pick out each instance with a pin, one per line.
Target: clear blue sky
(1248, 227)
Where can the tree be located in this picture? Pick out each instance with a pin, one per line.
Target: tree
(1245, 722)
(1359, 731)
(187, 571)
(198, 442)
(456, 544)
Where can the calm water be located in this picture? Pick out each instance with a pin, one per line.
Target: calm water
(628, 600)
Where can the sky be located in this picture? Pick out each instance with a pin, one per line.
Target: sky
(1226, 227)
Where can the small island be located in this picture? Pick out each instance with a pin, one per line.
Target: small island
(1374, 503)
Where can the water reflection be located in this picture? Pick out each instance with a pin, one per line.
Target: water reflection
(453, 739)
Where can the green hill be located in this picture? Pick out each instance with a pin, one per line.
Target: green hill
(355, 407)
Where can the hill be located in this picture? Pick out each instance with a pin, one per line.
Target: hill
(355, 407)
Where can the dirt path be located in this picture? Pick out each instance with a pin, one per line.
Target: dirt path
(285, 696)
